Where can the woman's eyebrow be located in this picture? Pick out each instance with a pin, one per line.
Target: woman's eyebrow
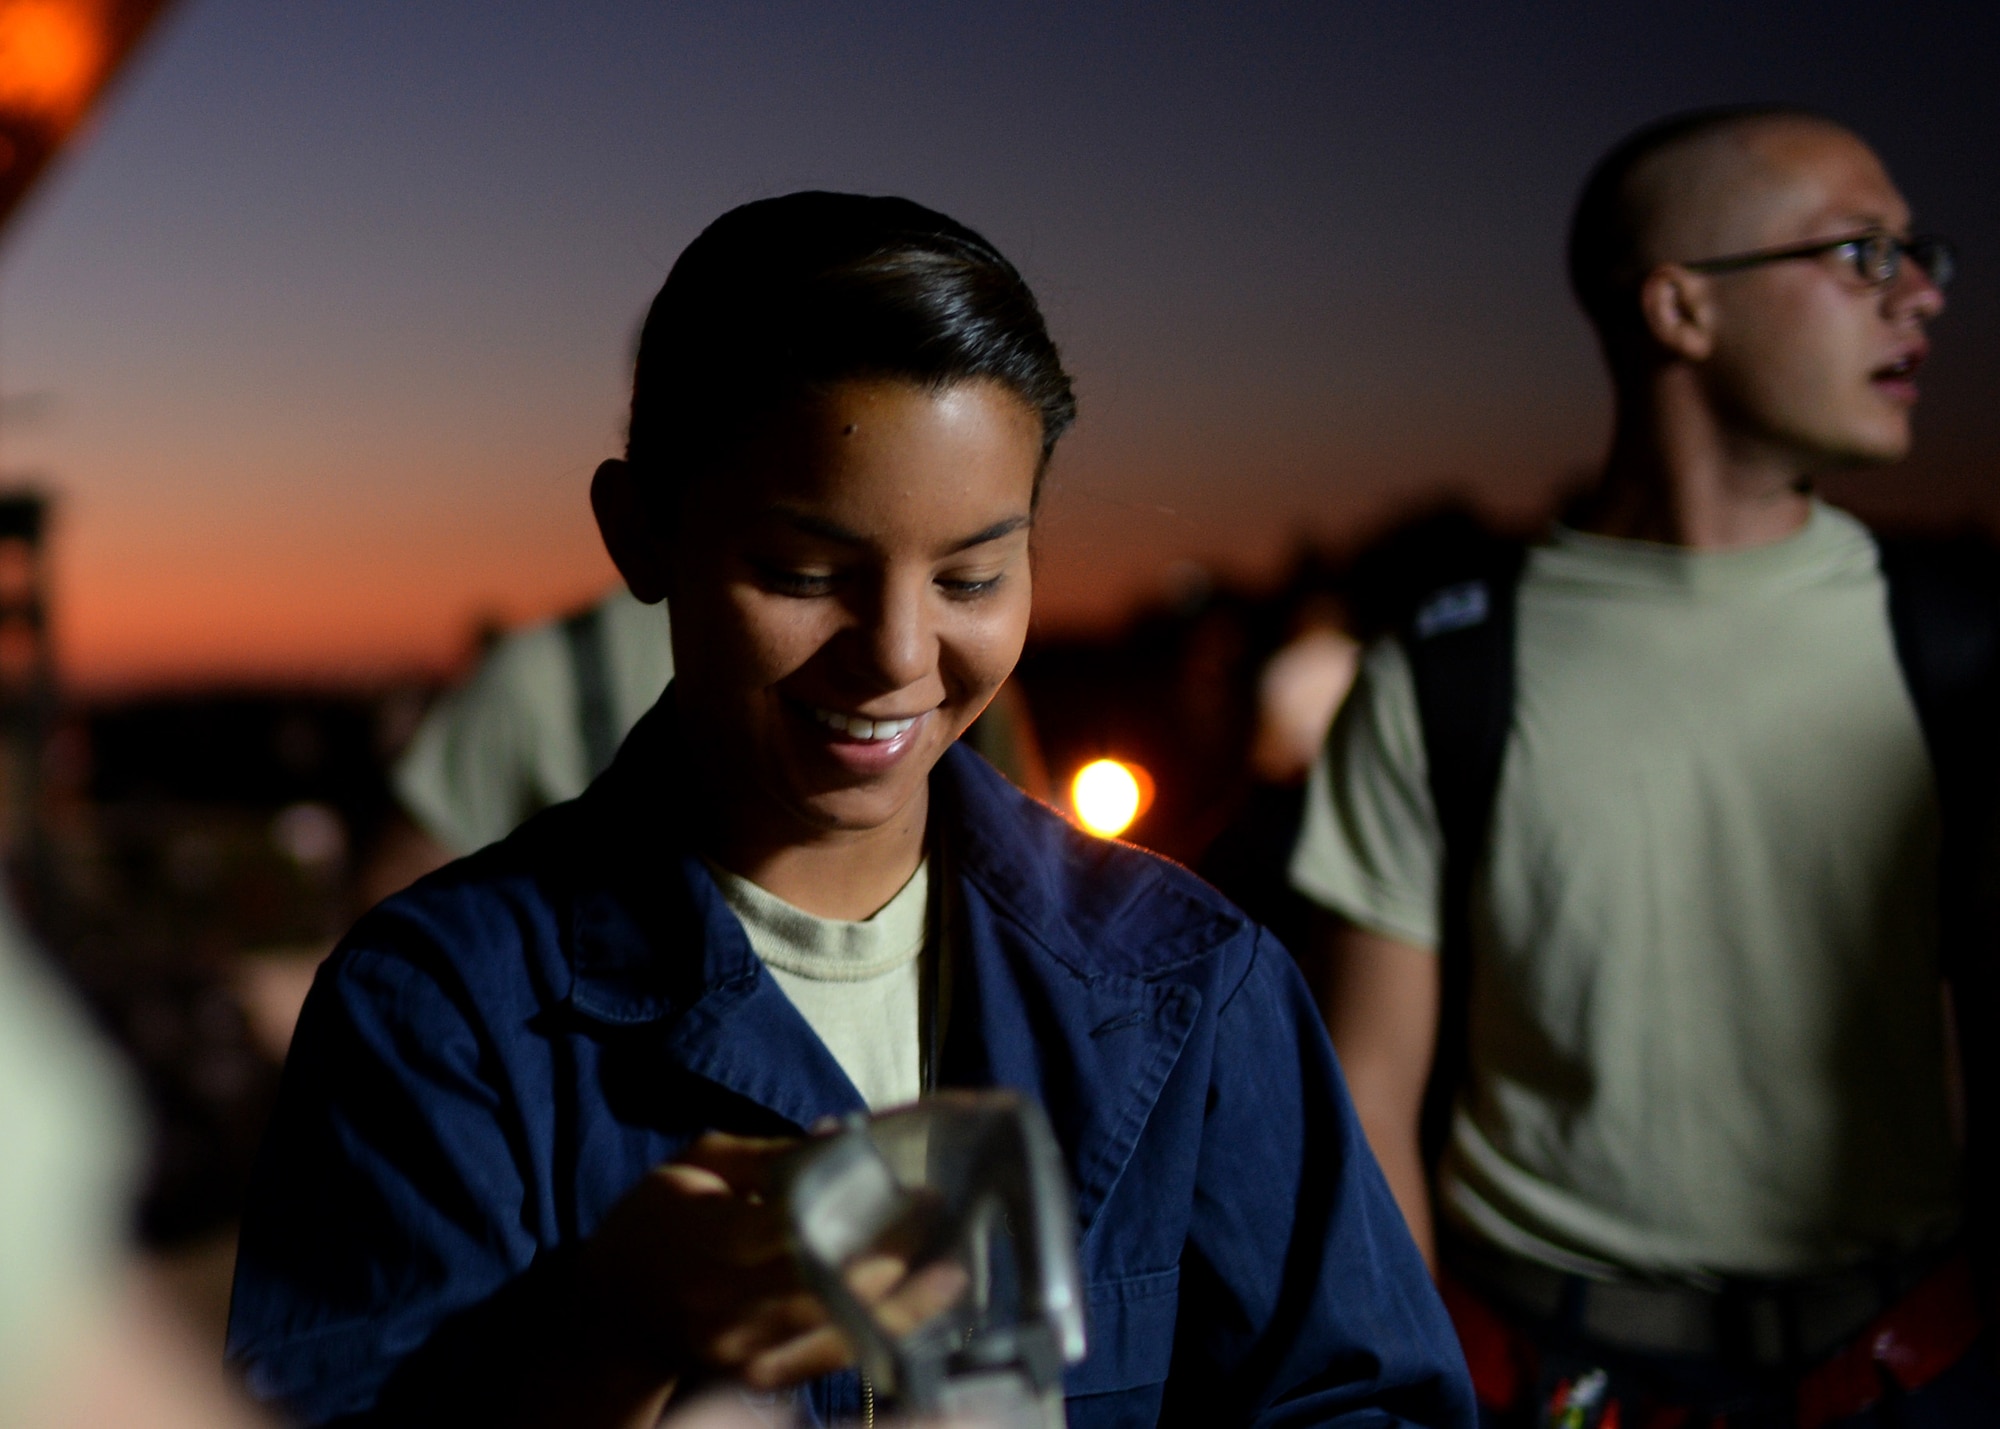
(827, 530)
(991, 533)
(818, 526)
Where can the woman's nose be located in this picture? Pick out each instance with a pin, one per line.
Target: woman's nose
(897, 644)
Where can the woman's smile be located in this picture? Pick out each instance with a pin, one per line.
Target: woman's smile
(863, 746)
(863, 729)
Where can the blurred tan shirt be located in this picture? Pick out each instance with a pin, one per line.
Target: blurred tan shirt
(68, 1141)
(1706, 1029)
(511, 741)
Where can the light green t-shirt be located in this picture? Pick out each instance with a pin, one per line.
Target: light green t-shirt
(859, 985)
(510, 741)
(1706, 1032)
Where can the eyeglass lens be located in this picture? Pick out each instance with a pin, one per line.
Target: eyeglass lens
(1935, 257)
(1879, 258)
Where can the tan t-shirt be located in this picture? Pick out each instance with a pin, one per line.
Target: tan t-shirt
(510, 741)
(1706, 1031)
(857, 984)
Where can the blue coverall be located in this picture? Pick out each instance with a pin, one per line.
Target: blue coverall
(493, 1057)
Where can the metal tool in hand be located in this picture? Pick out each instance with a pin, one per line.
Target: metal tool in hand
(962, 1201)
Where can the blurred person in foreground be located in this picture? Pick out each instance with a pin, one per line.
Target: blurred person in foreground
(85, 1341)
(521, 1168)
(1631, 845)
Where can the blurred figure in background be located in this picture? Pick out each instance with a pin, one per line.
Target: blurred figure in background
(537, 721)
(1298, 689)
(1631, 843)
(542, 716)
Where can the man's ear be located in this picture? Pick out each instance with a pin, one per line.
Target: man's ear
(1679, 310)
(636, 545)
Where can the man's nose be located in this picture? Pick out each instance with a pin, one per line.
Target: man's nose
(1913, 294)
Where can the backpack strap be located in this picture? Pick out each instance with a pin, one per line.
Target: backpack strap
(1944, 611)
(1460, 645)
(590, 660)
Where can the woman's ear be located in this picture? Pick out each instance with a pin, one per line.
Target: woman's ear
(629, 533)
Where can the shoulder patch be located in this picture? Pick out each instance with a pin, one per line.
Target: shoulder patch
(1456, 607)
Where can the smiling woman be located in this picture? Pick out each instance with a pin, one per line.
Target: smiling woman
(520, 1168)
(858, 592)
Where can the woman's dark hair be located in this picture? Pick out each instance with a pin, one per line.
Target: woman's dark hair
(780, 299)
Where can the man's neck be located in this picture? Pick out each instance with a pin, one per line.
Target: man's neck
(1678, 476)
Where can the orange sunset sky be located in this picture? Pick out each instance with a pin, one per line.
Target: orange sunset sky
(319, 331)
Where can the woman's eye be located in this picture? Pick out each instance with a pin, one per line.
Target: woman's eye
(800, 583)
(968, 587)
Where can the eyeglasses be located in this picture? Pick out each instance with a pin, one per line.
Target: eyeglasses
(1877, 257)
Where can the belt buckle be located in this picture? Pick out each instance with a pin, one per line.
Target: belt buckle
(1582, 1403)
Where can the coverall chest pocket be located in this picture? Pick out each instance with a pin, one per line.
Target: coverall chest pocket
(1131, 1333)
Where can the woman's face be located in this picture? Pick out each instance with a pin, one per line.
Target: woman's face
(846, 599)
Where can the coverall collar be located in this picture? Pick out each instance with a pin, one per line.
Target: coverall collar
(653, 944)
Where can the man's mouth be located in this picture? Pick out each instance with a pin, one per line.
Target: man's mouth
(1902, 372)
(867, 731)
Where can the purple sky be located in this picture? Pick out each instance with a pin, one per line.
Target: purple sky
(321, 331)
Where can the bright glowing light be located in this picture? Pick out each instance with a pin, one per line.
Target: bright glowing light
(50, 52)
(1108, 796)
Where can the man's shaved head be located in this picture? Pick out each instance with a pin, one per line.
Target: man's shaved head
(1814, 358)
(1687, 187)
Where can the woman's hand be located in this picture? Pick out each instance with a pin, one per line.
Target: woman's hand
(693, 1269)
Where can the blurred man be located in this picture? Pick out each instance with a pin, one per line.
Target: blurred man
(539, 719)
(1632, 845)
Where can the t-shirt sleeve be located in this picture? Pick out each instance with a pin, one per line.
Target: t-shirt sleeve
(497, 749)
(638, 639)
(1369, 847)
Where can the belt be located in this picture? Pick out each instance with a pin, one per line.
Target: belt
(1903, 1349)
(1760, 1324)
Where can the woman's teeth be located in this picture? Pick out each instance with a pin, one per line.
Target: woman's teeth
(854, 727)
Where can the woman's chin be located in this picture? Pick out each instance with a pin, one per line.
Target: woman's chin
(848, 789)
(857, 810)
